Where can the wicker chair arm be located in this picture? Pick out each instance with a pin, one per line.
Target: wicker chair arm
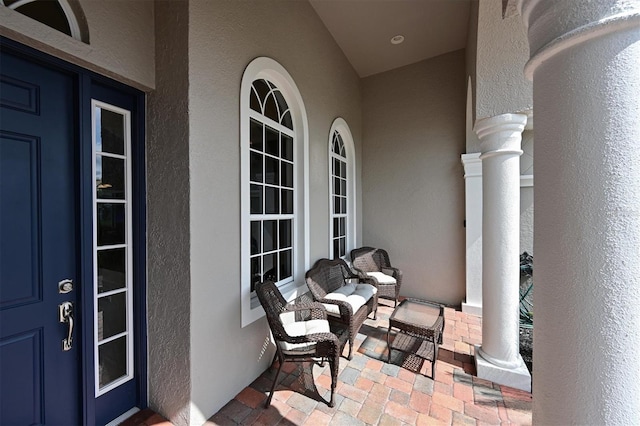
(318, 311)
(346, 311)
(395, 272)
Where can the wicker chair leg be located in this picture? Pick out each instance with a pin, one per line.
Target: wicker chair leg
(350, 348)
(275, 381)
(333, 366)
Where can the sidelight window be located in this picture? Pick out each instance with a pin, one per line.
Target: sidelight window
(112, 247)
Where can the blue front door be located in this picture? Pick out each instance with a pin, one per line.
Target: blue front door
(72, 281)
(40, 375)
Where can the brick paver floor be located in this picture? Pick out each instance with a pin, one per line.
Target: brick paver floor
(373, 392)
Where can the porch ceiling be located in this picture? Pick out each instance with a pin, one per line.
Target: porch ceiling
(363, 29)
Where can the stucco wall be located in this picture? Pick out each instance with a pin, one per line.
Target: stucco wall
(502, 50)
(121, 39)
(224, 36)
(413, 191)
(168, 289)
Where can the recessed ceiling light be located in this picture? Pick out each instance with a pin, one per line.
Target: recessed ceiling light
(397, 39)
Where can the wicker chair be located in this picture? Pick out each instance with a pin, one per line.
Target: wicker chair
(373, 265)
(327, 279)
(301, 333)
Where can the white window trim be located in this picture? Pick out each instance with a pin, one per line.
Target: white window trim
(268, 69)
(128, 245)
(341, 126)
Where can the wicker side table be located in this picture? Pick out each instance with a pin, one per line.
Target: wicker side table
(420, 325)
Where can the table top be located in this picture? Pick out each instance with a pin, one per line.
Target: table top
(417, 313)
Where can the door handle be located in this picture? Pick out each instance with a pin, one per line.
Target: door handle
(65, 310)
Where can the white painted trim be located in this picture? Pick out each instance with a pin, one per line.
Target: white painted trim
(268, 69)
(472, 165)
(526, 181)
(122, 417)
(128, 245)
(341, 126)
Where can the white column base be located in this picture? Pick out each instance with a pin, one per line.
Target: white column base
(470, 308)
(518, 377)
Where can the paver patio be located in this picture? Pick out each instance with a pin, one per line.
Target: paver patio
(372, 392)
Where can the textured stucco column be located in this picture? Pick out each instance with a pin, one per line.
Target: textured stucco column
(585, 66)
(498, 359)
(473, 232)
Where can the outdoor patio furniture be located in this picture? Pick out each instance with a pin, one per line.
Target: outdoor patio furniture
(420, 326)
(348, 303)
(373, 265)
(301, 333)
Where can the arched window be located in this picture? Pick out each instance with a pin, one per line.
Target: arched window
(57, 14)
(341, 190)
(273, 202)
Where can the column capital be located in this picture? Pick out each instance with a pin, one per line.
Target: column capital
(581, 21)
(501, 134)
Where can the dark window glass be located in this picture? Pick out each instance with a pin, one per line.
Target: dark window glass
(286, 120)
(255, 136)
(256, 272)
(262, 89)
(272, 141)
(270, 235)
(256, 240)
(343, 206)
(287, 148)
(285, 233)
(255, 168)
(336, 204)
(272, 200)
(336, 186)
(112, 315)
(271, 108)
(110, 178)
(271, 267)
(256, 199)
(282, 104)
(49, 13)
(254, 103)
(342, 226)
(111, 269)
(111, 132)
(111, 224)
(112, 360)
(287, 174)
(285, 264)
(343, 247)
(343, 187)
(336, 249)
(272, 173)
(287, 201)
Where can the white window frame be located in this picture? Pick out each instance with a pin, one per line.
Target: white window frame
(340, 125)
(270, 70)
(128, 246)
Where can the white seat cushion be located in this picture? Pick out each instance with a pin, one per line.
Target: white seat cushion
(383, 279)
(303, 328)
(354, 294)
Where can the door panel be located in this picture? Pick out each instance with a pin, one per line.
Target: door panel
(39, 380)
